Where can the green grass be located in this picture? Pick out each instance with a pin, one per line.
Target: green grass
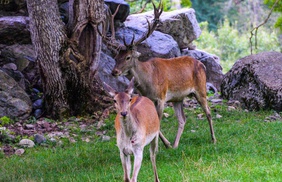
(248, 149)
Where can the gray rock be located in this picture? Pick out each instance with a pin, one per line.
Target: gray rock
(14, 102)
(104, 73)
(38, 139)
(26, 143)
(255, 81)
(181, 24)
(106, 138)
(19, 152)
(14, 29)
(123, 10)
(157, 45)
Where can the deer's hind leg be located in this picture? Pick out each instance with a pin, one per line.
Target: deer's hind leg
(153, 153)
(178, 109)
(202, 100)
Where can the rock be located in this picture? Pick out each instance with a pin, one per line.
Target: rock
(211, 62)
(19, 152)
(39, 139)
(123, 10)
(14, 29)
(13, 8)
(26, 143)
(216, 101)
(157, 45)
(104, 73)
(14, 102)
(105, 138)
(38, 113)
(255, 81)
(38, 104)
(181, 24)
(20, 55)
(29, 126)
(218, 116)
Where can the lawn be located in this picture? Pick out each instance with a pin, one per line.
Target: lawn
(247, 149)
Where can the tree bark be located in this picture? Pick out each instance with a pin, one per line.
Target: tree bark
(68, 56)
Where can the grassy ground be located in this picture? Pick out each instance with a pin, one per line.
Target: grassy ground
(248, 149)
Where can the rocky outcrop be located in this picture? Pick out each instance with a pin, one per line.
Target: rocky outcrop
(181, 24)
(14, 29)
(256, 81)
(14, 101)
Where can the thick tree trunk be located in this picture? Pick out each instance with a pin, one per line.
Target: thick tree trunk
(68, 60)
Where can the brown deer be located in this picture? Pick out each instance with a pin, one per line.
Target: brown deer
(137, 124)
(164, 80)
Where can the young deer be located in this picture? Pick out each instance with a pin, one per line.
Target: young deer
(137, 124)
(164, 80)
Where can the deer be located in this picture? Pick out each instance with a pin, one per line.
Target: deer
(163, 80)
(137, 124)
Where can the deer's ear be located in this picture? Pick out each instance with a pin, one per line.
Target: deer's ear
(109, 89)
(130, 87)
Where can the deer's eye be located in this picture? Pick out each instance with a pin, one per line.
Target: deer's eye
(115, 101)
(127, 58)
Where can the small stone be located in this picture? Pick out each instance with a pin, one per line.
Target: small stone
(200, 116)
(166, 115)
(19, 152)
(29, 126)
(193, 131)
(230, 108)
(218, 116)
(39, 139)
(216, 100)
(105, 138)
(26, 143)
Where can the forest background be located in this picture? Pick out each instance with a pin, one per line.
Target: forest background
(227, 24)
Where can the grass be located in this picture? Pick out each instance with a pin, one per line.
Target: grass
(248, 149)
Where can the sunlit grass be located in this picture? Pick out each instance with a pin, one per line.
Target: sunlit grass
(248, 149)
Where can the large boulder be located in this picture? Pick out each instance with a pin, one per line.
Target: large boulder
(181, 24)
(14, 29)
(105, 68)
(212, 63)
(14, 102)
(157, 45)
(256, 81)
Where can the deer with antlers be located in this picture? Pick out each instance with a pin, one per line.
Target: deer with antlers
(137, 124)
(165, 80)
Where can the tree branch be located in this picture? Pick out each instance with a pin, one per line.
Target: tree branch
(257, 27)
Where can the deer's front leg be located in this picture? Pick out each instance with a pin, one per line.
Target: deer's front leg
(138, 157)
(126, 165)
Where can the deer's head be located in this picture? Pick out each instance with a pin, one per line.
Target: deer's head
(122, 100)
(127, 54)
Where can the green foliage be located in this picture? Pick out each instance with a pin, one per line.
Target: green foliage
(210, 11)
(186, 3)
(230, 44)
(278, 24)
(5, 121)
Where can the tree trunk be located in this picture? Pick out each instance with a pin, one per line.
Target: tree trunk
(68, 60)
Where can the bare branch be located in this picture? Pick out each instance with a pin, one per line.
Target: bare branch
(257, 27)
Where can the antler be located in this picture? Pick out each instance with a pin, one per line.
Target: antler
(111, 40)
(157, 13)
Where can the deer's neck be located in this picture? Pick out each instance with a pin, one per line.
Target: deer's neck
(128, 125)
(143, 75)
